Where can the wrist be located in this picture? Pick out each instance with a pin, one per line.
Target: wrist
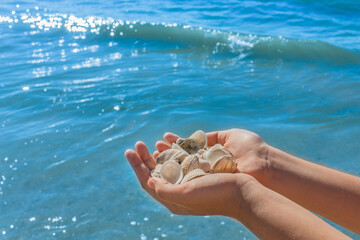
(281, 167)
(248, 192)
(274, 159)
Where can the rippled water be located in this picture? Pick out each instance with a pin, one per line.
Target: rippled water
(82, 82)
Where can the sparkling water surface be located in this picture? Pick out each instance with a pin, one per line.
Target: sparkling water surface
(82, 81)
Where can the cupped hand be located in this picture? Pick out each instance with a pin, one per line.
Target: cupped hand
(142, 163)
(249, 150)
(215, 194)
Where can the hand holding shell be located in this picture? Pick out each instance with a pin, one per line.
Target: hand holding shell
(190, 158)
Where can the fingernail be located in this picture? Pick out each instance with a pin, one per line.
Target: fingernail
(151, 183)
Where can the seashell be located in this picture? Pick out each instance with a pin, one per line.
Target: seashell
(217, 146)
(156, 171)
(201, 151)
(166, 155)
(224, 164)
(179, 157)
(180, 140)
(171, 171)
(201, 137)
(191, 162)
(193, 174)
(215, 152)
(176, 146)
(190, 145)
(204, 165)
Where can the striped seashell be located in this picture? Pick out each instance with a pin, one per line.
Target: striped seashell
(171, 171)
(193, 174)
(215, 152)
(191, 162)
(224, 164)
(200, 136)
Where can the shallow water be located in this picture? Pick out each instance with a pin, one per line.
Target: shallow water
(82, 82)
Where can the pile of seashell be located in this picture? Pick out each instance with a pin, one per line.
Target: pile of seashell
(190, 158)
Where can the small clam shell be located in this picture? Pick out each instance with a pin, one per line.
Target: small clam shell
(156, 171)
(215, 152)
(166, 155)
(191, 162)
(179, 157)
(193, 174)
(201, 137)
(176, 146)
(190, 145)
(217, 146)
(204, 165)
(224, 164)
(201, 151)
(171, 171)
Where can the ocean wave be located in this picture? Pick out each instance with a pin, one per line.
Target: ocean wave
(195, 38)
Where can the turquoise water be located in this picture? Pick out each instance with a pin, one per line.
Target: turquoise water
(80, 82)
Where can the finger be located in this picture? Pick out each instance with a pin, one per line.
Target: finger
(216, 137)
(141, 170)
(168, 192)
(170, 137)
(212, 138)
(144, 154)
(156, 154)
(162, 146)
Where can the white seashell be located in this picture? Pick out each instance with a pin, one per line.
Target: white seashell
(200, 136)
(217, 146)
(166, 155)
(193, 174)
(204, 165)
(179, 157)
(201, 151)
(176, 146)
(171, 171)
(191, 162)
(156, 171)
(224, 164)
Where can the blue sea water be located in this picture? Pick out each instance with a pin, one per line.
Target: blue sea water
(82, 81)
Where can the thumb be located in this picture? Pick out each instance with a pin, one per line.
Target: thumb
(155, 182)
(167, 192)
